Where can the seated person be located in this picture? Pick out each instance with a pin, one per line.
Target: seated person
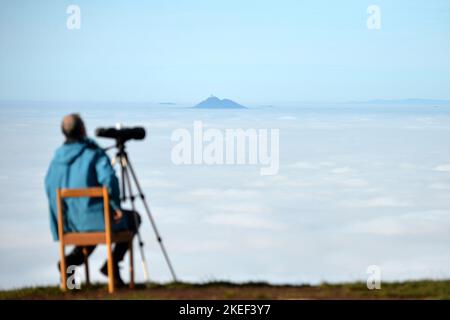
(81, 163)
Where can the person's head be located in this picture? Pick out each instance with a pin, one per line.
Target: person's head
(73, 128)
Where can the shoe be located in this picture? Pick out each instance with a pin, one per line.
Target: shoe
(58, 265)
(75, 258)
(117, 279)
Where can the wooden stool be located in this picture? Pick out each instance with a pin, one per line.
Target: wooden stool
(91, 238)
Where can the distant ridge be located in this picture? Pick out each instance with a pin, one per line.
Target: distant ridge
(422, 102)
(216, 103)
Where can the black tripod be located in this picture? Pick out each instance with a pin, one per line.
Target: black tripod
(128, 177)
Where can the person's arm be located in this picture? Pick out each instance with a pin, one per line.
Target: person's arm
(107, 177)
(50, 191)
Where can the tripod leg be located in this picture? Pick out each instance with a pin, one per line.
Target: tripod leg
(126, 179)
(124, 190)
(130, 250)
(150, 216)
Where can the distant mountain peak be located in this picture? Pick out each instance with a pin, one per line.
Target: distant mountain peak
(215, 103)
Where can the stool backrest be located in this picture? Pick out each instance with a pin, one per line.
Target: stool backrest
(94, 192)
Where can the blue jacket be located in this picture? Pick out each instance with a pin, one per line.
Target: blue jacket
(80, 165)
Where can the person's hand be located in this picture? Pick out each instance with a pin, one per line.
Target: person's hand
(118, 214)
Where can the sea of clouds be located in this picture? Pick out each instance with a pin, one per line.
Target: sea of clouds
(356, 187)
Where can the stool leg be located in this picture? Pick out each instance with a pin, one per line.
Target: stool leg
(110, 268)
(62, 264)
(130, 249)
(86, 266)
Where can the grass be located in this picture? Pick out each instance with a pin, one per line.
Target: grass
(425, 289)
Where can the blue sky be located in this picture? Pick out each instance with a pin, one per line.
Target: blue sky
(251, 51)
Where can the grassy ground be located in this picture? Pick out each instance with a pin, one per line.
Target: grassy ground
(225, 290)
